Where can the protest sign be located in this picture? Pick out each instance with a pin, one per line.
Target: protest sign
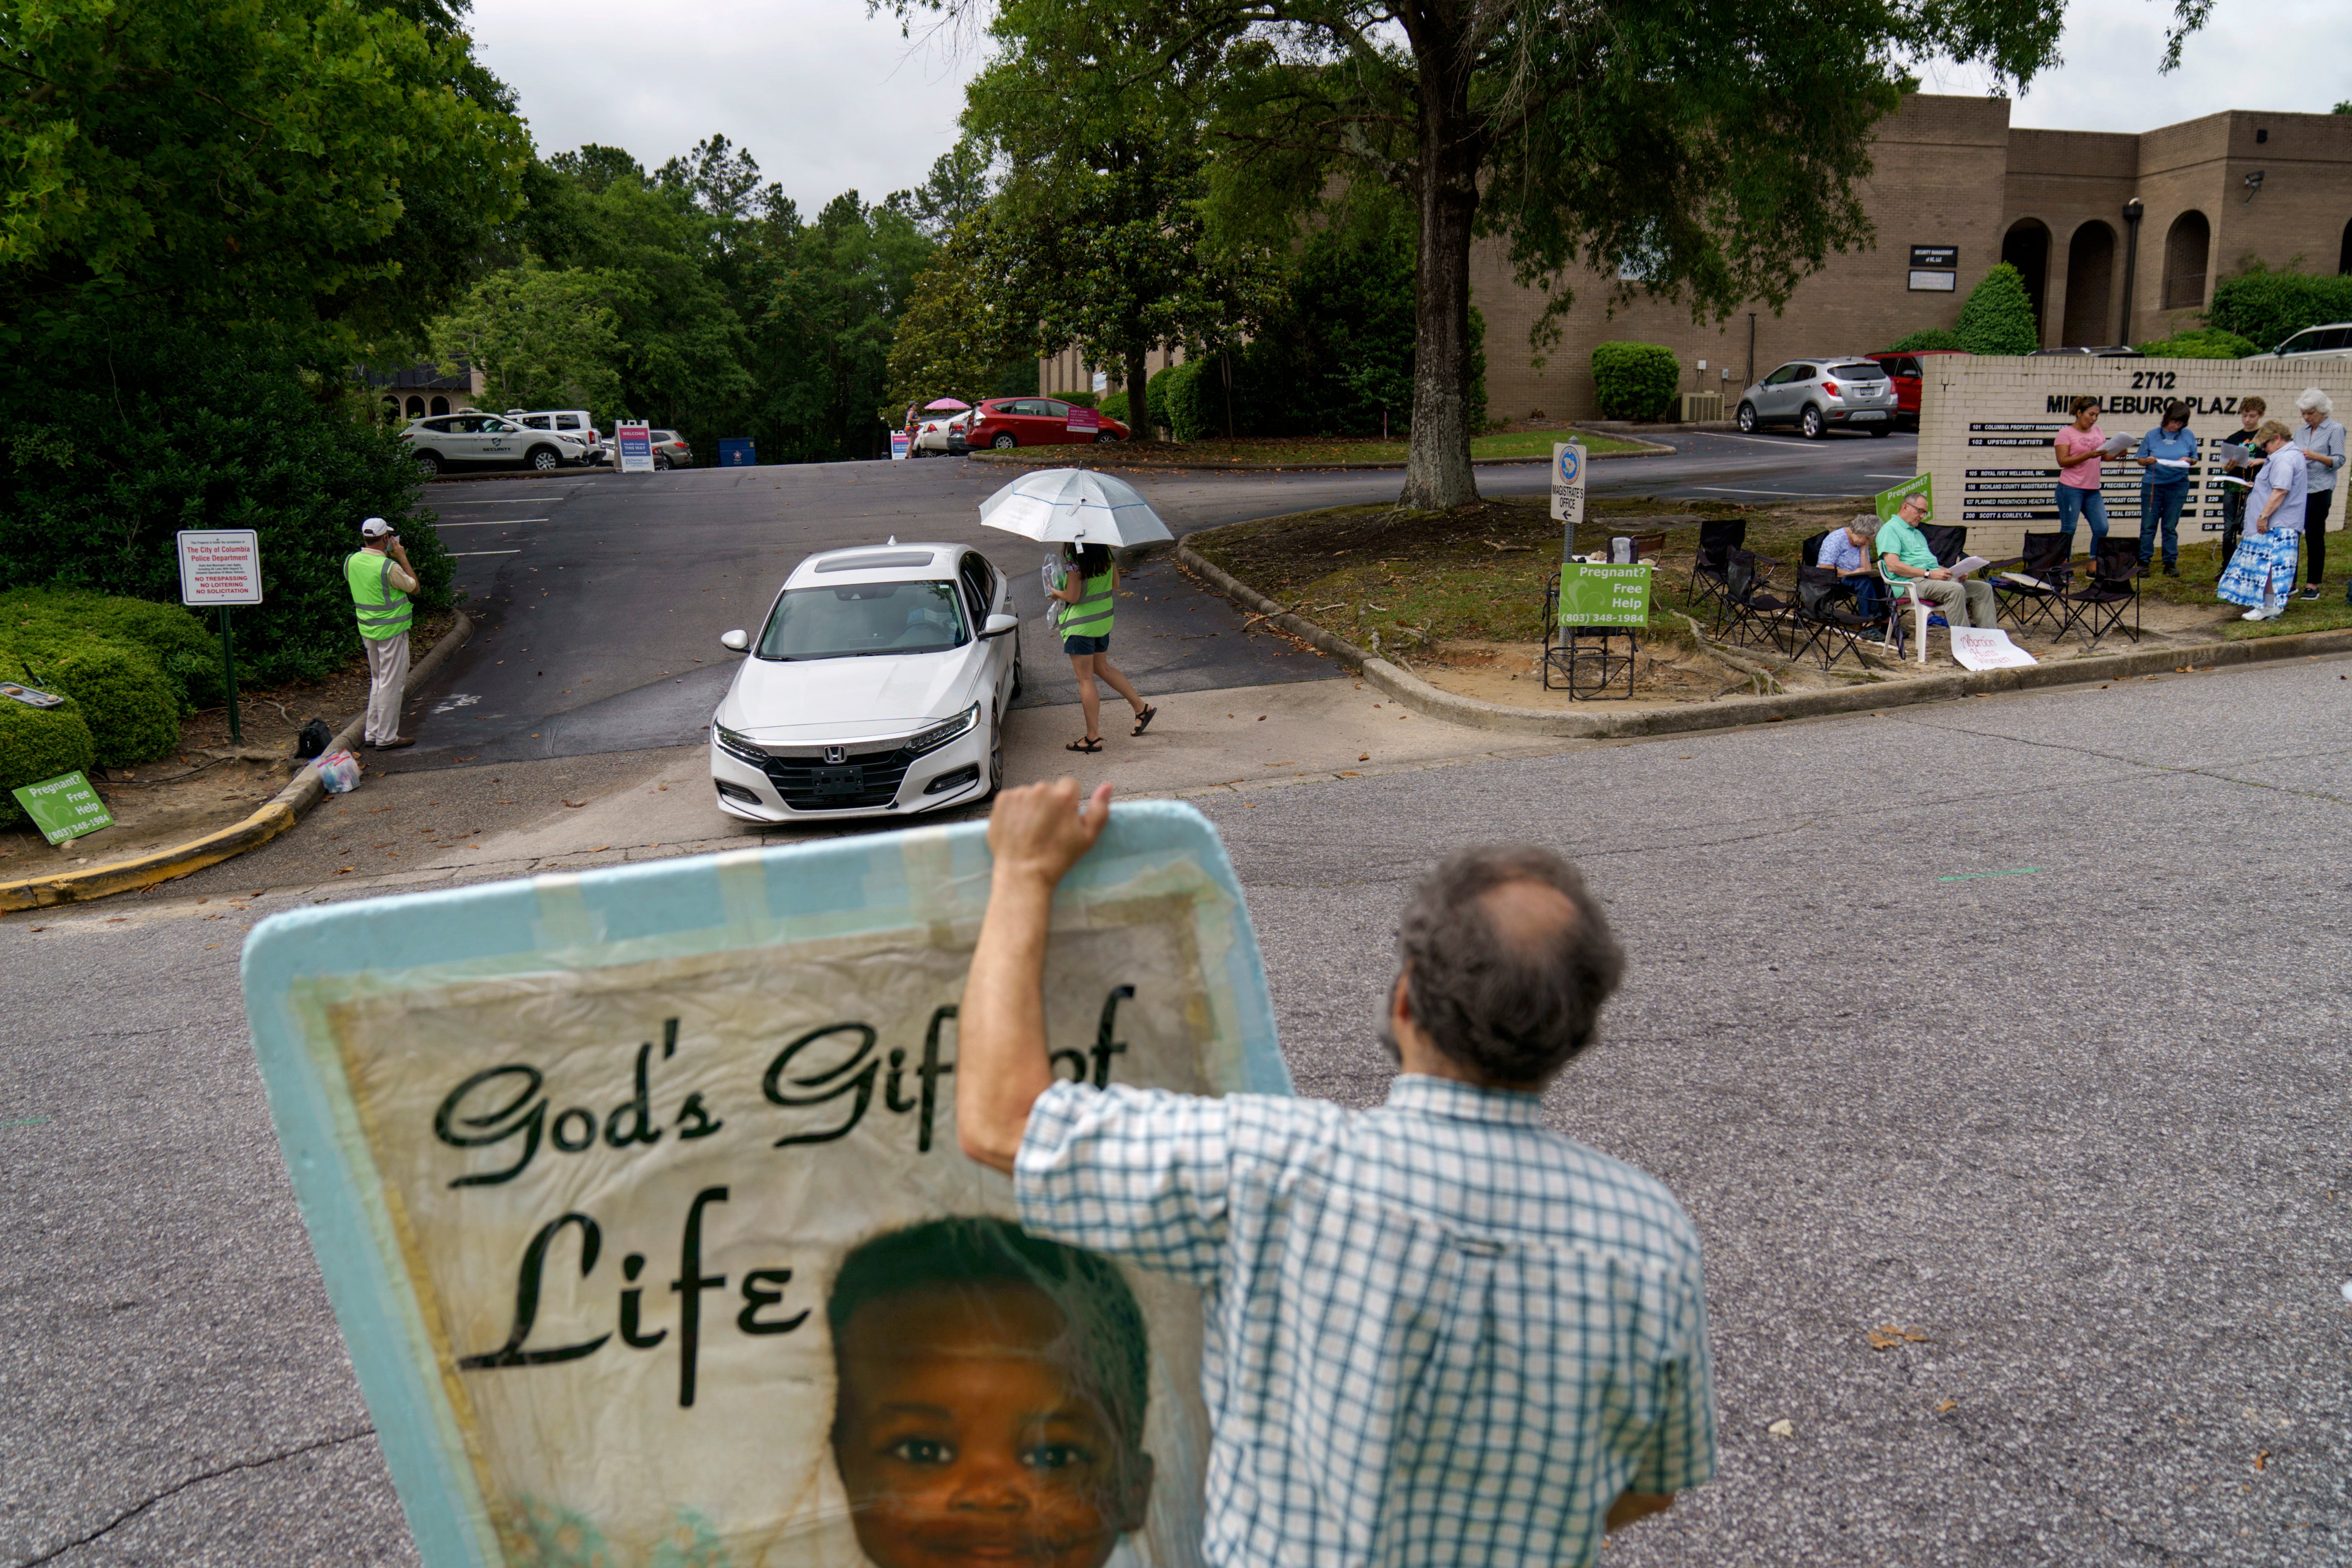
(1920, 485)
(1604, 595)
(638, 1197)
(63, 807)
(1982, 647)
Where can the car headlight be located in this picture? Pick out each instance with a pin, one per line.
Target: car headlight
(740, 747)
(939, 735)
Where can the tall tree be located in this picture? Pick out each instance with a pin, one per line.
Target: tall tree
(1707, 150)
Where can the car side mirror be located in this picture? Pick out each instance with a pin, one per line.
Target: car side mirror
(997, 626)
(735, 641)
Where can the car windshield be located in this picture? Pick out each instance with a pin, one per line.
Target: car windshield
(848, 619)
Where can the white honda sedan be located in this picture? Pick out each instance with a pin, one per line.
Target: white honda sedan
(877, 687)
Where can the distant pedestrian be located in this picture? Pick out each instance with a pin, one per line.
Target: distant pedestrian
(2242, 465)
(2164, 456)
(2321, 442)
(1439, 1330)
(1090, 587)
(2077, 446)
(381, 580)
(2262, 574)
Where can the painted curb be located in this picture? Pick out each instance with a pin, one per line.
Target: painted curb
(1476, 713)
(1649, 450)
(283, 811)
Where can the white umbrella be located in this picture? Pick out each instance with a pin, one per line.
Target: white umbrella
(1075, 505)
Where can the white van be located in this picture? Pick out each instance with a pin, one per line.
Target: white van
(572, 422)
(2333, 340)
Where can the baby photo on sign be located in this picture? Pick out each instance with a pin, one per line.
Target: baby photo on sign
(705, 1282)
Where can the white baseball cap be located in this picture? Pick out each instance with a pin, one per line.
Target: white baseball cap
(375, 528)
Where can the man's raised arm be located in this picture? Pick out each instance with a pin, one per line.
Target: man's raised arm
(1036, 835)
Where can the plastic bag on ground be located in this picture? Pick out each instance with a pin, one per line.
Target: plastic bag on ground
(340, 771)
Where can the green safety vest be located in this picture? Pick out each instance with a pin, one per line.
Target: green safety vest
(383, 609)
(1091, 615)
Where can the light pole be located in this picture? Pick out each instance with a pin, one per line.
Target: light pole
(2134, 210)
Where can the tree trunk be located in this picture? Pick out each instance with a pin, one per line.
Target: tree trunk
(1438, 475)
(1139, 424)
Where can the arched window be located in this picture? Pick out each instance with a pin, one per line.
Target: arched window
(440, 406)
(2186, 247)
(2026, 246)
(416, 409)
(2090, 287)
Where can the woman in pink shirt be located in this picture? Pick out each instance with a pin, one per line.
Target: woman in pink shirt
(2077, 445)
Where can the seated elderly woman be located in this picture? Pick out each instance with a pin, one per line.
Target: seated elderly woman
(1846, 552)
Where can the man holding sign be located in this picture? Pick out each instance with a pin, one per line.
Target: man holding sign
(1439, 1330)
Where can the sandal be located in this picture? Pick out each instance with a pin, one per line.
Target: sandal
(1143, 719)
(1093, 744)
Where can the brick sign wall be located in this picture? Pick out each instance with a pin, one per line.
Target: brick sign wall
(1986, 425)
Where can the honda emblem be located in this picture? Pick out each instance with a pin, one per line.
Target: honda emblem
(835, 754)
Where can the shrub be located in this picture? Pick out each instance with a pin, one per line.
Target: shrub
(2271, 307)
(1114, 407)
(1997, 318)
(1190, 416)
(187, 650)
(1635, 381)
(132, 713)
(1921, 342)
(1078, 399)
(37, 743)
(1155, 400)
(2204, 342)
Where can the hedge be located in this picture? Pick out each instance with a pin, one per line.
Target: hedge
(1923, 341)
(1997, 316)
(187, 650)
(37, 743)
(1155, 401)
(1635, 381)
(1114, 407)
(2271, 307)
(131, 711)
(1189, 413)
(2205, 343)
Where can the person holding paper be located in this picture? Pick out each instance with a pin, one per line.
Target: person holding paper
(2164, 455)
(2262, 574)
(2077, 446)
(2240, 464)
(1438, 1332)
(2321, 442)
(1910, 565)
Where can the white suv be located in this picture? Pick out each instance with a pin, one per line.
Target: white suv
(576, 423)
(2333, 340)
(484, 440)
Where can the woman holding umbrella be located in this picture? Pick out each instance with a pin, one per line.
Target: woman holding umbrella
(1090, 587)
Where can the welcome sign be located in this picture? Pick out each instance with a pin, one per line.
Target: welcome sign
(638, 1197)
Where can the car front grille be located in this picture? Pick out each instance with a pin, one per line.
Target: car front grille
(879, 773)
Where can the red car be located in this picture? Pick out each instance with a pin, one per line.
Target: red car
(1002, 422)
(1904, 370)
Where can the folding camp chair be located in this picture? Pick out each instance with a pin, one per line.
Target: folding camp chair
(1717, 540)
(2031, 588)
(2098, 606)
(1750, 605)
(1825, 617)
(1946, 544)
(1587, 660)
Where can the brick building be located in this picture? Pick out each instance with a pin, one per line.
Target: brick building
(1955, 190)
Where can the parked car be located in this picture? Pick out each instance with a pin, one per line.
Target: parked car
(487, 440)
(670, 450)
(1002, 422)
(576, 423)
(939, 432)
(1907, 371)
(1821, 394)
(877, 686)
(2113, 351)
(2333, 340)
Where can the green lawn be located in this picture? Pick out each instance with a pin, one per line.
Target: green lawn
(2200, 570)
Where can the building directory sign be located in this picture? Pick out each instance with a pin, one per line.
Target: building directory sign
(637, 445)
(219, 566)
(638, 1198)
(1934, 269)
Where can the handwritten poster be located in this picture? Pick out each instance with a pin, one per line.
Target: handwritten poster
(639, 1199)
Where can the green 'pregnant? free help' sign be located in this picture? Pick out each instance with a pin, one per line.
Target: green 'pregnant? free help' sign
(64, 807)
(1604, 595)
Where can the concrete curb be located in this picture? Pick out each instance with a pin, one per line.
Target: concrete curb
(283, 811)
(1423, 697)
(1649, 450)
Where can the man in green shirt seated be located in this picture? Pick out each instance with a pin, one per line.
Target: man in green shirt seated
(1907, 563)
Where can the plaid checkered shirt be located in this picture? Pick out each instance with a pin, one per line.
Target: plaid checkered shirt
(1439, 1333)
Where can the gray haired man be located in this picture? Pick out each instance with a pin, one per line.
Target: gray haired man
(381, 580)
(1439, 1330)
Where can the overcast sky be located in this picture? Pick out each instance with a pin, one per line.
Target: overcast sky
(828, 99)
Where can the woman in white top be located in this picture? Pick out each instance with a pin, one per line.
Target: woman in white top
(2321, 442)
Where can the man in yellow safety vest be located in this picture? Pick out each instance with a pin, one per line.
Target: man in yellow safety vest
(381, 580)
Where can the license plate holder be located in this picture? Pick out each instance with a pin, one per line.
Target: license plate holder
(846, 780)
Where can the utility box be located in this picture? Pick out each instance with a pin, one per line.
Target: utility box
(740, 452)
(1701, 406)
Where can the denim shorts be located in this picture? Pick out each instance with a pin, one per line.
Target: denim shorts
(1076, 647)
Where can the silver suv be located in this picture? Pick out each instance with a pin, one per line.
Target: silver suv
(2333, 340)
(1821, 394)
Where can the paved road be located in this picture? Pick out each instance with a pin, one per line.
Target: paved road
(2018, 1023)
(602, 597)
